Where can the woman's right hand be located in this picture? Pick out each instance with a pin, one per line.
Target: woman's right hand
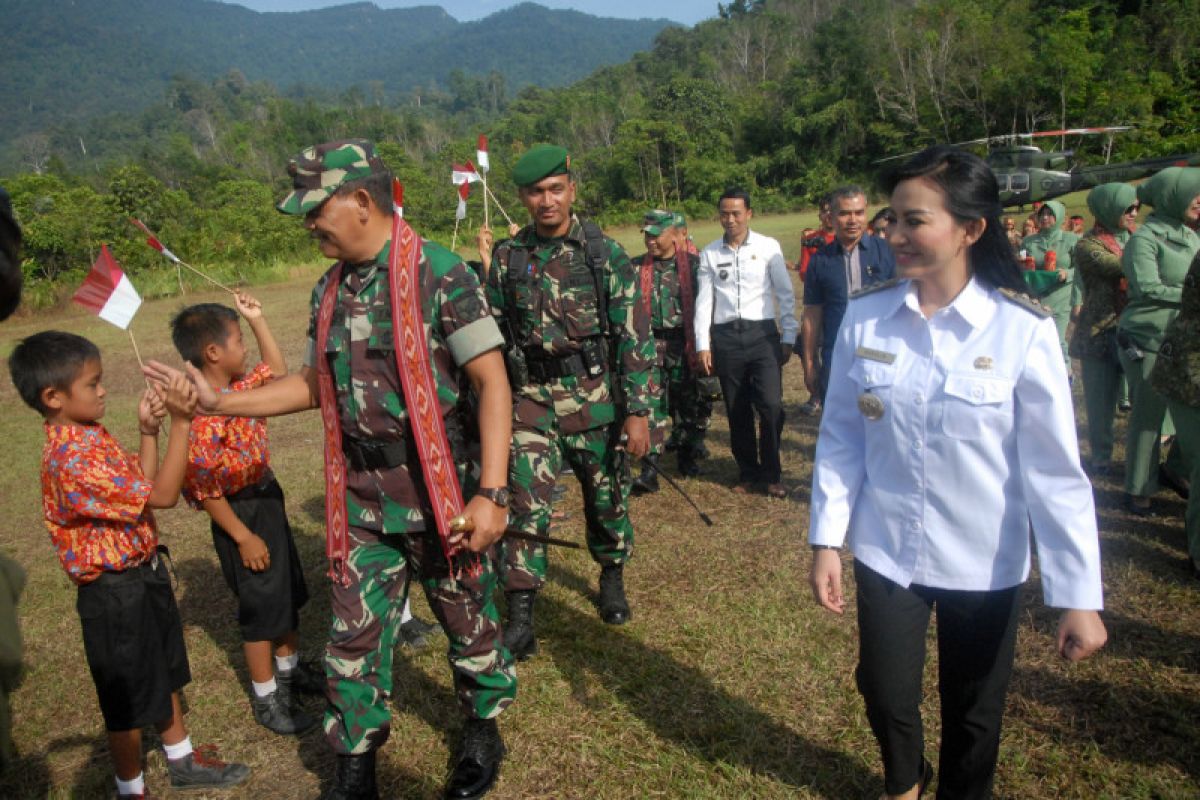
(826, 580)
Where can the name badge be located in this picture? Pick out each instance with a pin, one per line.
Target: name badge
(882, 356)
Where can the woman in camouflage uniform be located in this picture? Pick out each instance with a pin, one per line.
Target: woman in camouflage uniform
(1097, 259)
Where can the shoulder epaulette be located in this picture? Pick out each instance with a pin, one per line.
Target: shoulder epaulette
(1026, 302)
(874, 287)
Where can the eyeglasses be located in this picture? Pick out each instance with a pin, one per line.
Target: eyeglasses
(1133, 209)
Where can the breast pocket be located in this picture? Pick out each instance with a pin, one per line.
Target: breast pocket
(580, 306)
(875, 379)
(975, 405)
(381, 341)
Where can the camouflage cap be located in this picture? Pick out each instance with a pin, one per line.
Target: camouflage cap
(657, 222)
(541, 161)
(318, 171)
(679, 220)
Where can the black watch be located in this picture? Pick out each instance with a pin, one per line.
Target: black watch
(817, 547)
(499, 495)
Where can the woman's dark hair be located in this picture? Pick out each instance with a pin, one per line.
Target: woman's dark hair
(971, 193)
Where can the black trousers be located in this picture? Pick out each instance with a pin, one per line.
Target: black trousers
(746, 356)
(976, 632)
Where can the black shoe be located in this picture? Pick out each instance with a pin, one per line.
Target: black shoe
(201, 769)
(614, 609)
(478, 763)
(1145, 512)
(354, 778)
(518, 631)
(646, 483)
(1124, 407)
(688, 468)
(1176, 484)
(304, 678)
(415, 632)
(926, 778)
(278, 712)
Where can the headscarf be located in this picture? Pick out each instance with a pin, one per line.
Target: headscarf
(1107, 203)
(1171, 191)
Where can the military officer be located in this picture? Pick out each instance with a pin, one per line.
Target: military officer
(580, 360)
(667, 281)
(380, 514)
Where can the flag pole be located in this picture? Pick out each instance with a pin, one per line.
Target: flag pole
(454, 239)
(487, 219)
(488, 192)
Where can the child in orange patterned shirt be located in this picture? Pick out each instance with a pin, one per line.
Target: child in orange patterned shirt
(229, 476)
(97, 499)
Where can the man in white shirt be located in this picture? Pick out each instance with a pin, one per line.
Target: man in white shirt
(743, 286)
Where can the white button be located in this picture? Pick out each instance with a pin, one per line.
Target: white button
(919, 399)
(916, 526)
(977, 391)
(917, 444)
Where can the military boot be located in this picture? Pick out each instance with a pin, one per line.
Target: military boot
(478, 764)
(518, 631)
(354, 778)
(647, 482)
(614, 609)
(689, 462)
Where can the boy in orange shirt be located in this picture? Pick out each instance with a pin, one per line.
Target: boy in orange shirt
(229, 476)
(96, 498)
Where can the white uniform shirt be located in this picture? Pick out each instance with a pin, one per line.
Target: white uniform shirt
(748, 282)
(976, 444)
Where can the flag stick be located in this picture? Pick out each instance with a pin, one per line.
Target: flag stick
(213, 281)
(137, 354)
(153, 241)
(454, 240)
(488, 193)
(487, 220)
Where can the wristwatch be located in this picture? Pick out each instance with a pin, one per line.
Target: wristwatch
(817, 547)
(498, 495)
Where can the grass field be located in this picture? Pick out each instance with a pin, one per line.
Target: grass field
(729, 682)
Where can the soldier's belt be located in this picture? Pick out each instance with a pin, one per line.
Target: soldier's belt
(670, 334)
(544, 369)
(368, 454)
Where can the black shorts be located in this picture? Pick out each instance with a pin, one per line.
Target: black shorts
(269, 602)
(133, 639)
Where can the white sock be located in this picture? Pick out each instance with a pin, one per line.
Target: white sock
(406, 614)
(180, 750)
(265, 688)
(132, 786)
(287, 663)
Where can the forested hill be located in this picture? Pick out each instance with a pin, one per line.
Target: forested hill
(71, 59)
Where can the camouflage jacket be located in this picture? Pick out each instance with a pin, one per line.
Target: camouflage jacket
(370, 397)
(552, 307)
(1100, 270)
(1176, 374)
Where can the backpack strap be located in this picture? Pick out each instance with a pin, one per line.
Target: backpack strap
(596, 254)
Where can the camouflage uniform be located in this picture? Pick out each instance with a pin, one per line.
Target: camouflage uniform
(679, 399)
(392, 535)
(1176, 376)
(550, 310)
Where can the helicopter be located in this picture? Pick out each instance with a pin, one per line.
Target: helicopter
(1028, 174)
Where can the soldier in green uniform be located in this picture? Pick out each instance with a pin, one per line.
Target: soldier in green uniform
(1097, 259)
(1155, 261)
(664, 276)
(343, 192)
(1054, 292)
(581, 361)
(1176, 377)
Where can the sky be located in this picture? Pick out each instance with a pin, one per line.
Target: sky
(688, 12)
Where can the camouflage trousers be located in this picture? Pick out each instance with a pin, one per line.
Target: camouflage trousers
(604, 477)
(366, 623)
(680, 402)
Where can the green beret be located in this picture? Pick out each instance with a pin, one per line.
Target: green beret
(657, 222)
(679, 220)
(541, 161)
(318, 171)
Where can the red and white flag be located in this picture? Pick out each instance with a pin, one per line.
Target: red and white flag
(463, 173)
(107, 291)
(153, 241)
(398, 197)
(464, 189)
(481, 154)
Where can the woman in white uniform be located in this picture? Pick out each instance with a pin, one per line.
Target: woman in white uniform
(948, 432)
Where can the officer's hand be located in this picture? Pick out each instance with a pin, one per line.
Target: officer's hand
(785, 354)
(636, 435)
(1080, 633)
(825, 578)
(490, 522)
(705, 357)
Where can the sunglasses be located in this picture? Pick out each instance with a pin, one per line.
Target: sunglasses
(1133, 209)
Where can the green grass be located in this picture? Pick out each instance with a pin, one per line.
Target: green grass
(728, 683)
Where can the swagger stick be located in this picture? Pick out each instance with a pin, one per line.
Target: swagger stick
(645, 462)
(464, 525)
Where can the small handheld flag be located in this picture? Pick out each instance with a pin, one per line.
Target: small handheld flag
(398, 197)
(108, 293)
(481, 155)
(153, 241)
(463, 173)
(464, 189)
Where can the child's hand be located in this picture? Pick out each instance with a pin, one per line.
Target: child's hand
(151, 410)
(181, 397)
(248, 306)
(255, 555)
